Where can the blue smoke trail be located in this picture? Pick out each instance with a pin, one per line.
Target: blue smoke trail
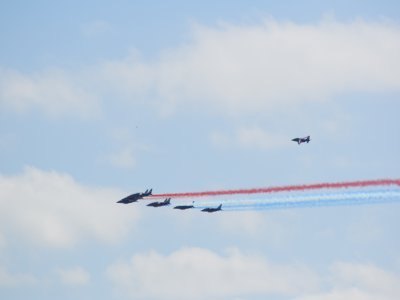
(304, 199)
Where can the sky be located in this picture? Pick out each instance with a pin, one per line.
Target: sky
(101, 99)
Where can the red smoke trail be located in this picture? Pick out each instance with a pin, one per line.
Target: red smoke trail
(290, 188)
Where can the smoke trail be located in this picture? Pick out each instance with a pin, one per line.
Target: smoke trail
(303, 199)
(324, 200)
(295, 196)
(290, 188)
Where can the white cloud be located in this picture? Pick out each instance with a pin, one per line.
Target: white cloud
(367, 277)
(275, 64)
(52, 91)
(229, 68)
(51, 209)
(196, 273)
(359, 281)
(74, 276)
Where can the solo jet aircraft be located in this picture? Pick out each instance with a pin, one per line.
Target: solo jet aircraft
(158, 204)
(135, 197)
(302, 140)
(183, 207)
(212, 209)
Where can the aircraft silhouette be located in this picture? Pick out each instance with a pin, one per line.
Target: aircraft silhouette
(302, 140)
(183, 207)
(135, 197)
(158, 204)
(212, 209)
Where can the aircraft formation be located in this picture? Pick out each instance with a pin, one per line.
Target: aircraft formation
(137, 196)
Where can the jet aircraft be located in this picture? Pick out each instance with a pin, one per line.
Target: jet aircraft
(183, 207)
(158, 204)
(302, 140)
(135, 197)
(212, 209)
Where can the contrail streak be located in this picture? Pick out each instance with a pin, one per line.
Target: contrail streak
(294, 196)
(290, 188)
(324, 200)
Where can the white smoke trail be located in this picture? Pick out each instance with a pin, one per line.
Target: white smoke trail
(303, 199)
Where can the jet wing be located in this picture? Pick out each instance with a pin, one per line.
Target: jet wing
(183, 207)
(130, 198)
(212, 209)
(158, 204)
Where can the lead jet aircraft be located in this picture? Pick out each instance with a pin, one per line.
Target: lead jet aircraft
(135, 197)
(212, 209)
(158, 204)
(302, 140)
(183, 207)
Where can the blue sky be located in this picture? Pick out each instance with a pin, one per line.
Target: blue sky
(99, 100)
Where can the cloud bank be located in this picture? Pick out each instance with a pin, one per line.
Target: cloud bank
(53, 91)
(276, 64)
(360, 282)
(197, 273)
(47, 208)
(229, 68)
